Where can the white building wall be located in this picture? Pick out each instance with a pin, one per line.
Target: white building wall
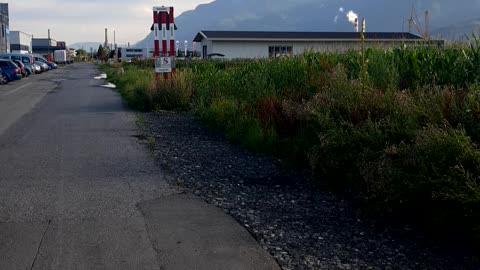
(20, 38)
(240, 49)
(260, 49)
(131, 53)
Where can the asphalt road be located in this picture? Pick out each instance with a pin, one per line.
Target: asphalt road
(78, 190)
(19, 97)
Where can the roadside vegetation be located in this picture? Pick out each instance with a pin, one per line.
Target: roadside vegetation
(396, 131)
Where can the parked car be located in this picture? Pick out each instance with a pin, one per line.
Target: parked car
(21, 66)
(43, 66)
(40, 58)
(37, 68)
(51, 65)
(44, 61)
(10, 71)
(27, 60)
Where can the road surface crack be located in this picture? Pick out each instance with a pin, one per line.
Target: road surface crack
(40, 244)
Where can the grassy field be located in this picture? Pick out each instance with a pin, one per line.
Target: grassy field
(397, 131)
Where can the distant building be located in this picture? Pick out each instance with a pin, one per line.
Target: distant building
(47, 46)
(20, 42)
(44, 47)
(136, 53)
(61, 45)
(5, 31)
(245, 44)
(72, 53)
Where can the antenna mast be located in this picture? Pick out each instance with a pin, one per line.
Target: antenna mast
(413, 21)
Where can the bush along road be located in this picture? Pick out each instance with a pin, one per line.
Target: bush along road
(394, 132)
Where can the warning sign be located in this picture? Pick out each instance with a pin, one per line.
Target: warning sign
(163, 64)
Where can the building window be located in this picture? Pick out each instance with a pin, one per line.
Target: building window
(280, 51)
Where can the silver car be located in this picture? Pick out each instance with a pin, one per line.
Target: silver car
(43, 66)
(37, 68)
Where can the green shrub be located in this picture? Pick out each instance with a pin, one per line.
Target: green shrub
(133, 85)
(168, 95)
(400, 141)
(227, 114)
(432, 182)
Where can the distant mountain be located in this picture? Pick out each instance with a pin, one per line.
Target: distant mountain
(313, 15)
(459, 31)
(85, 45)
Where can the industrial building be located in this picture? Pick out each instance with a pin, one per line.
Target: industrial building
(128, 54)
(46, 46)
(20, 42)
(43, 45)
(5, 31)
(246, 44)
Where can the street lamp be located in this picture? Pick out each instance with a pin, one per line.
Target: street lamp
(177, 45)
(186, 48)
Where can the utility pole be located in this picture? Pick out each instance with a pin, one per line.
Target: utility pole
(49, 42)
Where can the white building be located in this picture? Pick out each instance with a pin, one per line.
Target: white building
(20, 42)
(72, 53)
(245, 44)
(136, 53)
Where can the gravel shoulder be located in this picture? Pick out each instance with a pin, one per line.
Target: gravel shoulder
(301, 225)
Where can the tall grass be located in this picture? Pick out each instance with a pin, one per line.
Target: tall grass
(396, 130)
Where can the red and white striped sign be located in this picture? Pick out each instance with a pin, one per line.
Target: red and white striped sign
(160, 28)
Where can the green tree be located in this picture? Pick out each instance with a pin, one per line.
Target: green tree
(100, 52)
(82, 52)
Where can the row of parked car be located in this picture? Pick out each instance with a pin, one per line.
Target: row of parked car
(15, 66)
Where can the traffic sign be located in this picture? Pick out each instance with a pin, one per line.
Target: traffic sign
(164, 64)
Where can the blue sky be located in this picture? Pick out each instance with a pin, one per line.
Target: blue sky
(85, 20)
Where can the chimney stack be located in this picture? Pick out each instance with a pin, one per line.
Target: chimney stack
(106, 38)
(427, 27)
(363, 26)
(356, 25)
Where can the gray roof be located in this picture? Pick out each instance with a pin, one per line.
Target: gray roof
(220, 35)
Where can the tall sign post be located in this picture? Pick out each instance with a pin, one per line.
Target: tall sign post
(163, 21)
(172, 40)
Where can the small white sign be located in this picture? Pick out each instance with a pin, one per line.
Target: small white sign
(163, 64)
(161, 9)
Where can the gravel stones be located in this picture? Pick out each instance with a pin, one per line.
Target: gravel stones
(302, 225)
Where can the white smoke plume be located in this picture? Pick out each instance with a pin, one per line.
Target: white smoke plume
(352, 16)
(341, 10)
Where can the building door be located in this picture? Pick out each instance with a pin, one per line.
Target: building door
(204, 52)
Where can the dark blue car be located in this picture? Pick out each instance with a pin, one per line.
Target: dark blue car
(10, 71)
(43, 60)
